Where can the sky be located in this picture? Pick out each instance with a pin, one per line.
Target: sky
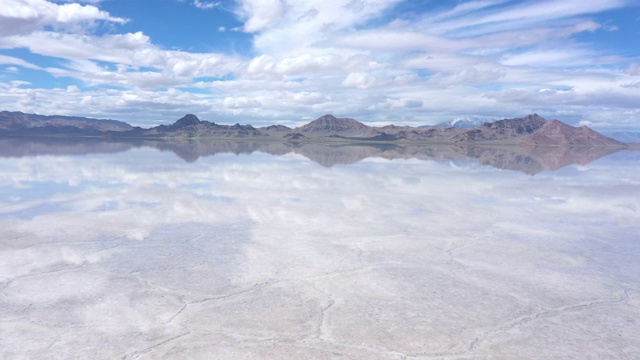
(263, 62)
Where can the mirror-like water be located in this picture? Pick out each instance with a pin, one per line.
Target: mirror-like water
(269, 250)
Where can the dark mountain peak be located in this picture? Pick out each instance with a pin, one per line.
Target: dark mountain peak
(503, 129)
(186, 120)
(525, 125)
(533, 117)
(276, 128)
(327, 117)
(331, 123)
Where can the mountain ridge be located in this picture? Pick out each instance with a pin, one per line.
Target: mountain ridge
(529, 130)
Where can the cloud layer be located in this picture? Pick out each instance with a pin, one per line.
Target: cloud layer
(377, 61)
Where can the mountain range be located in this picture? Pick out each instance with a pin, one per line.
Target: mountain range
(530, 130)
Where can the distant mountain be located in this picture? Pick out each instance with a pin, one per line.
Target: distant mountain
(461, 123)
(534, 130)
(18, 122)
(331, 124)
(187, 120)
(626, 136)
(189, 126)
(529, 130)
(502, 129)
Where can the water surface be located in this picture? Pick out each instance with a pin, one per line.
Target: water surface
(272, 250)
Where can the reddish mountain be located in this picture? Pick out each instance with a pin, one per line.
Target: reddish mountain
(555, 132)
(330, 123)
(534, 130)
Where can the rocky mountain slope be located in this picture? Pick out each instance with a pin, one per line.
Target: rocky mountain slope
(190, 126)
(502, 129)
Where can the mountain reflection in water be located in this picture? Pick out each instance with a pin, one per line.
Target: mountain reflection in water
(527, 159)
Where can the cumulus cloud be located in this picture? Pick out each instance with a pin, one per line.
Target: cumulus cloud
(241, 103)
(487, 58)
(127, 52)
(468, 75)
(359, 80)
(284, 27)
(25, 16)
(265, 66)
(261, 14)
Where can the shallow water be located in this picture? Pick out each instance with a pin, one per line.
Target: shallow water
(266, 250)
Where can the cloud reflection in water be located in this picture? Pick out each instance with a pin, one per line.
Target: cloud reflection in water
(367, 252)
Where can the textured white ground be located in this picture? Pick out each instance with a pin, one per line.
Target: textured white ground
(141, 256)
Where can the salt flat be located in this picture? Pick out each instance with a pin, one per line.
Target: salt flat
(140, 255)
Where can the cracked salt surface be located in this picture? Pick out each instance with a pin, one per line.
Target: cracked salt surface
(147, 263)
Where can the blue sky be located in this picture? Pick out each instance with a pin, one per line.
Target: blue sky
(284, 61)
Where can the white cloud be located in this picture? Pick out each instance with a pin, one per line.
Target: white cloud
(127, 52)
(485, 58)
(205, 5)
(260, 14)
(469, 75)
(284, 27)
(305, 64)
(25, 16)
(550, 57)
(360, 80)
(389, 40)
(10, 60)
(633, 69)
(241, 103)
(520, 16)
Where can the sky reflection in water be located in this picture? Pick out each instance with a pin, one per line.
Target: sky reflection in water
(133, 252)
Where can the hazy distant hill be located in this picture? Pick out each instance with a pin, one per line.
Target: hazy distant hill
(529, 130)
(626, 136)
(18, 122)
